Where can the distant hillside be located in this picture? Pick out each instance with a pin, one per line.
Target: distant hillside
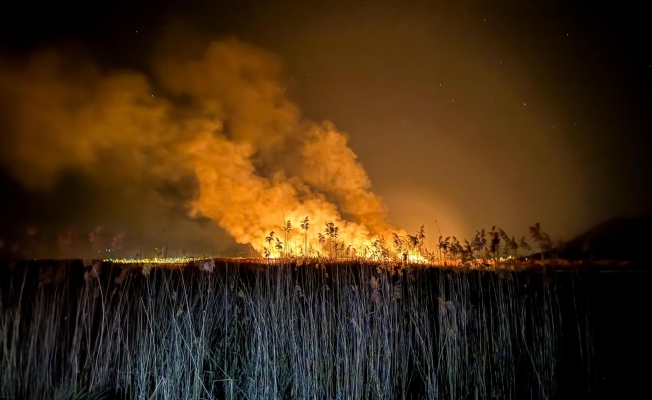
(623, 239)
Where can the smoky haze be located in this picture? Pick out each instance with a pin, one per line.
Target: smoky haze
(215, 134)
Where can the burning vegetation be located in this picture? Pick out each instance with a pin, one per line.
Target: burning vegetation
(488, 249)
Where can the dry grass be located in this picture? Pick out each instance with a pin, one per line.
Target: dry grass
(345, 330)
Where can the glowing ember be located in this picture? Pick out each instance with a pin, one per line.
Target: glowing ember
(170, 260)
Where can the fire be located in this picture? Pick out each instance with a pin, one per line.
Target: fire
(154, 261)
(257, 165)
(417, 258)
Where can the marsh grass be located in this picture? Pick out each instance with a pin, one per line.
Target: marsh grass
(279, 330)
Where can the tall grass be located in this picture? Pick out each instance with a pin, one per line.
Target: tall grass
(345, 330)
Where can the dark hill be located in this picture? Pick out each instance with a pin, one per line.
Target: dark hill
(622, 239)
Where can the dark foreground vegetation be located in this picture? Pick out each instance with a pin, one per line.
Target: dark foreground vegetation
(345, 330)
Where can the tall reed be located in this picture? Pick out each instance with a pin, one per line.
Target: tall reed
(287, 330)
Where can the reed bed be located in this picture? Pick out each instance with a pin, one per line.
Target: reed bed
(305, 329)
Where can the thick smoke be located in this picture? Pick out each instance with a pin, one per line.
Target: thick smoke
(221, 120)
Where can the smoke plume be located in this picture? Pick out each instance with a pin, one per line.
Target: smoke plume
(219, 124)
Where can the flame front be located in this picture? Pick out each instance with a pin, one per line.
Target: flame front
(253, 206)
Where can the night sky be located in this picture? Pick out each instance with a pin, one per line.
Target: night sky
(468, 113)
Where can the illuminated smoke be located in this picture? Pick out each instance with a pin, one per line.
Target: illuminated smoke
(221, 118)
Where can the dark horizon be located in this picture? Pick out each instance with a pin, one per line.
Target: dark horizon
(469, 114)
